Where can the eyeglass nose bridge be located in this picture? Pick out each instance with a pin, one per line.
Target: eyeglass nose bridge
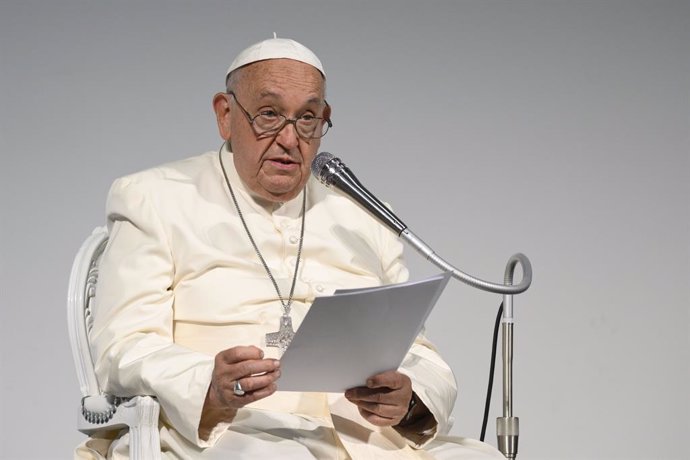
(287, 121)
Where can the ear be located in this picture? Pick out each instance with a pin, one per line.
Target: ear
(326, 112)
(221, 105)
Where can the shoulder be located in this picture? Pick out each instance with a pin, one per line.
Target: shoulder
(165, 187)
(176, 171)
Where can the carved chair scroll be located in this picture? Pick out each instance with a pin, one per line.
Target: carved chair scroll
(98, 410)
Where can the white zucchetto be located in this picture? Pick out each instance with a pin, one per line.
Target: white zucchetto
(276, 48)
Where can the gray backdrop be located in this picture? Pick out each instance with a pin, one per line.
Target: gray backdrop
(559, 129)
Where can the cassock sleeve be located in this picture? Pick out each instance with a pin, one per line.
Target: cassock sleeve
(432, 379)
(132, 335)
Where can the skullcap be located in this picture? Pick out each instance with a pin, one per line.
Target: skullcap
(276, 48)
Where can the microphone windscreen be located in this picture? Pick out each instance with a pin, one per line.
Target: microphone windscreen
(319, 162)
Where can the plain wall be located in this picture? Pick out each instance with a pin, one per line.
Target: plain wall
(558, 129)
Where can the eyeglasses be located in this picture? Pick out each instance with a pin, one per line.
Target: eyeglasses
(268, 123)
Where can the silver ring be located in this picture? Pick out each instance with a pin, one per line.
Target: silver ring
(237, 389)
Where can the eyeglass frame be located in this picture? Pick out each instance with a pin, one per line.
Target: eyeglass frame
(287, 121)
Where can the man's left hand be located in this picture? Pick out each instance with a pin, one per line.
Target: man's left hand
(385, 399)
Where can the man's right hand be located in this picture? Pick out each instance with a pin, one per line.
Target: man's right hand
(257, 377)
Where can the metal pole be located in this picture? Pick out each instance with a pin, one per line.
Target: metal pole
(507, 427)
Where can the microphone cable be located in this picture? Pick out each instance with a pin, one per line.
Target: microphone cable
(489, 390)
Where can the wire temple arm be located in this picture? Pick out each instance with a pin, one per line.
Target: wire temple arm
(507, 288)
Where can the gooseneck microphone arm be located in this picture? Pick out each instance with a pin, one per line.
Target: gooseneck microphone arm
(506, 288)
(333, 172)
(330, 171)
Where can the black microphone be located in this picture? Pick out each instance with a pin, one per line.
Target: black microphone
(330, 171)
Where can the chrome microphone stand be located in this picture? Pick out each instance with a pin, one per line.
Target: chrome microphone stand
(330, 171)
(508, 426)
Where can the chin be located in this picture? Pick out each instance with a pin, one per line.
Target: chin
(282, 194)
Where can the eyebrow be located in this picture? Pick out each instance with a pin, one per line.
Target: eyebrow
(272, 94)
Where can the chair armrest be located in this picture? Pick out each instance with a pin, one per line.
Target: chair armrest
(139, 414)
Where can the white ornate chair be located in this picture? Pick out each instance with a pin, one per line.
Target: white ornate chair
(101, 411)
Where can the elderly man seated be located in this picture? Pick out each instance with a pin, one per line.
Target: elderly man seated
(208, 256)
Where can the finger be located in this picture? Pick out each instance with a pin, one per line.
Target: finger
(374, 395)
(250, 375)
(376, 419)
(247, 398)
(388, 379)
(391, 411)
(366, 394)
(237, 354)
(255, 383)
(250, 368)
(392, 399)
(223, 389)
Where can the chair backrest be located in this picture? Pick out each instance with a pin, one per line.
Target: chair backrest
(82, 288)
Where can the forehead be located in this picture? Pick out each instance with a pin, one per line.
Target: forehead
(281, 78)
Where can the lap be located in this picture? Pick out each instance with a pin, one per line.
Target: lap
(268, 436)
(458, 448)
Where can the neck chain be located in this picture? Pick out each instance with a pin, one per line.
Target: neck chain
(284, 335)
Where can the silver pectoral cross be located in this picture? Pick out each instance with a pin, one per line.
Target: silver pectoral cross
(283, 336)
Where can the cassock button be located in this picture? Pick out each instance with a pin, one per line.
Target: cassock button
(294, 239)
(319, 288)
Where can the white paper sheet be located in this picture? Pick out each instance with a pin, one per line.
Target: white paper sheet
(354, 334)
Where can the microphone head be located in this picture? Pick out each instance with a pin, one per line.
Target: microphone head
(320, 161)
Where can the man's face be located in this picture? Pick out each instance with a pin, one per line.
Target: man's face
(278, 166)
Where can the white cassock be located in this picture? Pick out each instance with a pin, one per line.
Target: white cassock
(179, 282)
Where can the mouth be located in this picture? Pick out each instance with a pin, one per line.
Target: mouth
(284, 163)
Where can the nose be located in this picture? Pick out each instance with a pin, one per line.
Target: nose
(287, 136)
